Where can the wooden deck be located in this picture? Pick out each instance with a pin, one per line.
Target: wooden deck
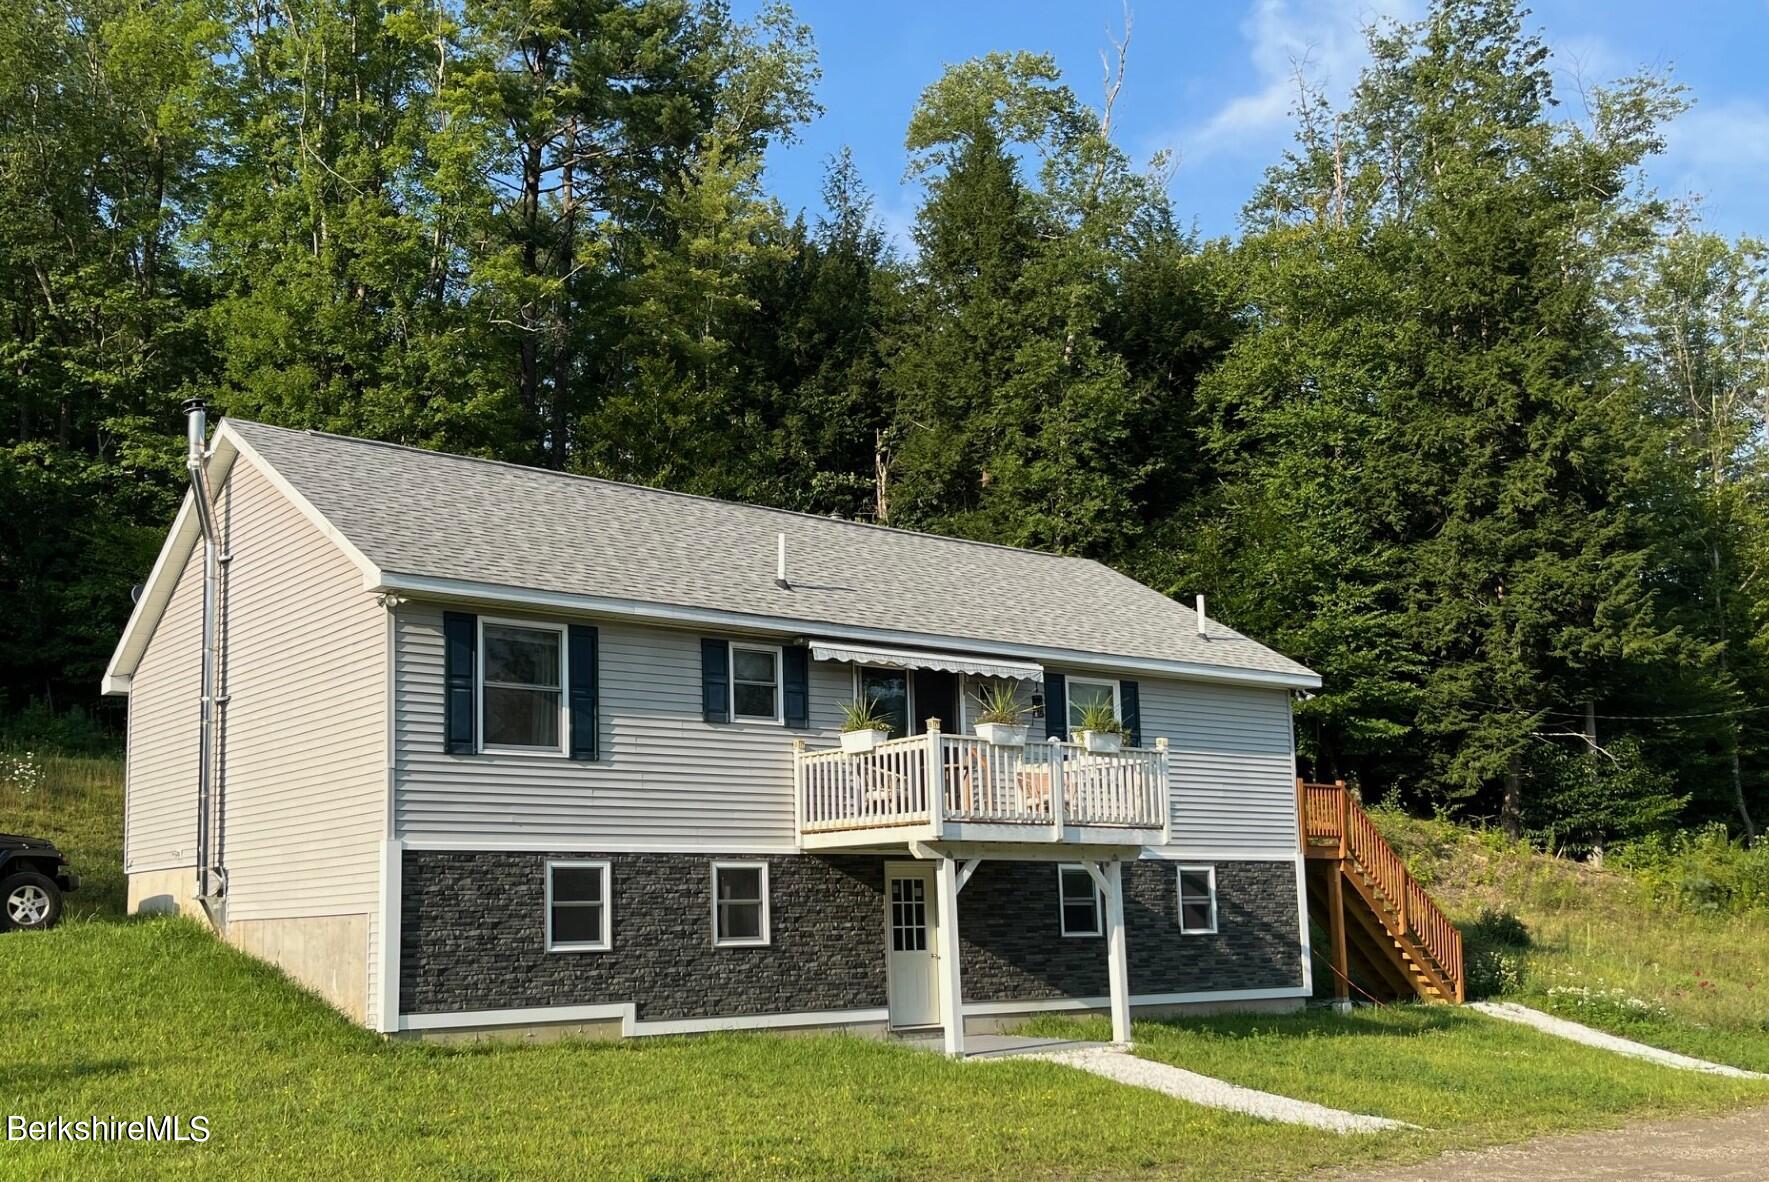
(1381, 923)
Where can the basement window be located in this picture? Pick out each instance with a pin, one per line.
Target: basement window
(579, 915)
(1078, 901)
(740, 904)
(1197, 900)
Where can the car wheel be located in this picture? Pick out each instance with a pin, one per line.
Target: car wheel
(29, 901)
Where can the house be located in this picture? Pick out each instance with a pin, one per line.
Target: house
(467, 746)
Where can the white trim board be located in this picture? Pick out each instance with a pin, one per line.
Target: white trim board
(1183, 853)
(587, 845)
(632, 1027)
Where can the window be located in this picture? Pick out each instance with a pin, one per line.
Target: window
(740, 904)
(1197, 900)
(755, 683)
(579, 915)
(521, 687)
(1085, 692)
(1078, 901)
(888, 691)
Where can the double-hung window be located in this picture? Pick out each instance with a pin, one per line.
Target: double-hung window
(1197, 900)
(740, 904)
(755, 683)
(1087, 691)
(521, 687)
(579, 915)
(1078, 901)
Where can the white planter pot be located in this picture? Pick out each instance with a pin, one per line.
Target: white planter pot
(860, 742)
(1001, 734)
(1101, 743)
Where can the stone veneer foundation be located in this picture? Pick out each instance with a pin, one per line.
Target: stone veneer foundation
(473, 936)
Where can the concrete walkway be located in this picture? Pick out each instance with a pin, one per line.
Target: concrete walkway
(1560, 1027)
(1116, 1064)
(1732, 1148)
(995, 1046)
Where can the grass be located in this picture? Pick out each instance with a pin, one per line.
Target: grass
(1604, 950)
(1467, 1078)
(129, 1018)
(78, 803)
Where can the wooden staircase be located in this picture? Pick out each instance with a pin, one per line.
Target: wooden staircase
(1381, 924)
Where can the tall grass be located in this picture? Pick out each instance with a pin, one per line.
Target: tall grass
(1629, 946)
(77, 802)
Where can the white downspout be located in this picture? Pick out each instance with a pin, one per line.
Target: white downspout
(211, 878)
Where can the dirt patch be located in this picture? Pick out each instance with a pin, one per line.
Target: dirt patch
(1731, 1148)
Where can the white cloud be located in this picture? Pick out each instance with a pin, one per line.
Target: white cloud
(1324, 38)
(1727, 138)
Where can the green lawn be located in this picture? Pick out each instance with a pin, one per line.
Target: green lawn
(1469, 1077)
(134, 1018)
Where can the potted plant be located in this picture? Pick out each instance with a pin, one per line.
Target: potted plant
(863, 727)
(1001, 716)
(1099, 730)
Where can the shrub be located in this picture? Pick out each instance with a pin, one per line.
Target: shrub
(1497, 927)
(1493, 972)
(1493, 959)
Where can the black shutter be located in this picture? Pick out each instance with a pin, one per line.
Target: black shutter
(1056, 706)
(460, 649)
(584, 729)
(715, 680)
(1130, 711)
(795, 684)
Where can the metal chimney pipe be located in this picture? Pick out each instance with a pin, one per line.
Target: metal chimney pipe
(780, 563)
(210, 879)
(1203, 620)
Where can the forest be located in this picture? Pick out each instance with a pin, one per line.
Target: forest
(1466, 416)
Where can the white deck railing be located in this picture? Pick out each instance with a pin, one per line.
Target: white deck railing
(980, 782)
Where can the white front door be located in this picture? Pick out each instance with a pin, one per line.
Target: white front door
(911, 967)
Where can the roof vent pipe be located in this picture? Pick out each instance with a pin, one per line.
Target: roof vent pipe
(211, 879)
(780, 563)
(1203, 620)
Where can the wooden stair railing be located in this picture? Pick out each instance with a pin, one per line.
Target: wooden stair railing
(1334, 826)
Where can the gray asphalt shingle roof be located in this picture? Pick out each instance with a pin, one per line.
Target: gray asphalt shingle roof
(437, 515)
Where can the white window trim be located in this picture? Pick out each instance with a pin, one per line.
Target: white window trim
(1062, 901)
(767, 936)
(607, 940)
(1179, 898)
(779, 654)
(1069, 684)
(563, 748)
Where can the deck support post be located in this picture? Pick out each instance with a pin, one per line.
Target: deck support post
(1117, 952)
(1110, 881)
(951, 986)
(1336, 921)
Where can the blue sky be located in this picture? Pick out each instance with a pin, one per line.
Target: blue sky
(1211, 80)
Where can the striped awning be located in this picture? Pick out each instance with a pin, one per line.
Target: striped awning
(904, 658)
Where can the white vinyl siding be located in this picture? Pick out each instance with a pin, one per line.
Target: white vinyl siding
(1232, 768)
(160, 769)
(305, 733)
(665, 776)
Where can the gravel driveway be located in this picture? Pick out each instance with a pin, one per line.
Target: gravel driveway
(1732, 1148)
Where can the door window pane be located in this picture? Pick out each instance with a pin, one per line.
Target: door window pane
(888, 691)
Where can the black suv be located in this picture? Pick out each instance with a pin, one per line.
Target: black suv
(34, 876)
